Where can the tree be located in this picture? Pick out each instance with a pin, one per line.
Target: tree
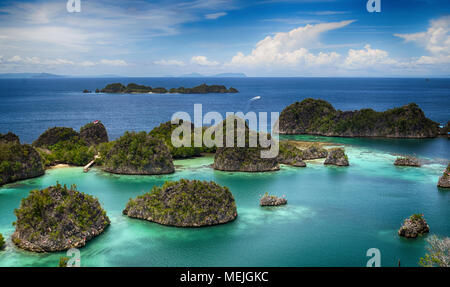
(63, 261)
(2, 242)
(438, 254)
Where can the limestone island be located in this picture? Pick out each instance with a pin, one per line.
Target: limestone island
(164, 132)
(413, 226)
(18, 161)
(132, 88)
(336, 156)
(244, 158)
(138, 154)
(58, 218)
(185, 203)
(407, 161)
(444, 180)
(318, 117)
(272, 200)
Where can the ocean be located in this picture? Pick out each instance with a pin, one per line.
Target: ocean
(333, 216)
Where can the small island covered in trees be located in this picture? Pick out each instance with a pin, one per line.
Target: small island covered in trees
(132, 88)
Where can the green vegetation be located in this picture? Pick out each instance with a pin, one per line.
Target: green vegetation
(243, 156)
(135, 88)
(319, 117)
(55, 135)
(416, 217)
(438, 254)
(75, 152)
(2, 242)
(185, 203)
(57, 217)
(18, 162)
(63, 261)
(63, 145)
(138, 153)
(164, 132)
(289, 151)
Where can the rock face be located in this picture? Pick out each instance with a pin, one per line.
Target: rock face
(140, 154)
(9, 138)
(290, 155)
(245, 158)
(413, 226)
(318, 117)
(18, 162)
(141, 89)
(337, 156)
(271, 200)
(444, 180)
(314, 152)
(54, 135)
(407, 161)
(94, 133)
(58, 218)
(185, 203)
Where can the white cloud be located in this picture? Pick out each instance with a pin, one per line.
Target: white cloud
(291, 48)
(436, 40)
(113, 62)
(19, 60)
(164, 62)
(203, 61)
(215, 15)
(367, 57)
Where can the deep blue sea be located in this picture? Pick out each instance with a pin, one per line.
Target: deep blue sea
(30, 106)
(333, 216)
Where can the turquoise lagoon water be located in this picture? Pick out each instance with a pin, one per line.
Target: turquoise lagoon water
(333, 214)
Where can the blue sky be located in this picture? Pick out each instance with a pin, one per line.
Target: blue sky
(259, 38)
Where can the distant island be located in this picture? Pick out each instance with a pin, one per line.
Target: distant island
(318, 117)
(30, 76)
(132, 88)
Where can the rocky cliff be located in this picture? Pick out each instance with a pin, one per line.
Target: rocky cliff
(407, 161)
(94, 133)
(318, 117)
(444, 180)
(289, 154)
(185, 203)
(272, 200)
(58, 218)
(337, 156)
(140, 154)
(18, 162)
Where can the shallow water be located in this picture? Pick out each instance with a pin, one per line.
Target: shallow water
(333, 214)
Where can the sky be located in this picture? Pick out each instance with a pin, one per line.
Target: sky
(304, 38)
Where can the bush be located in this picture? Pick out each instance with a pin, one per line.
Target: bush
(2, 242)
(438, 252)
(63, 261)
